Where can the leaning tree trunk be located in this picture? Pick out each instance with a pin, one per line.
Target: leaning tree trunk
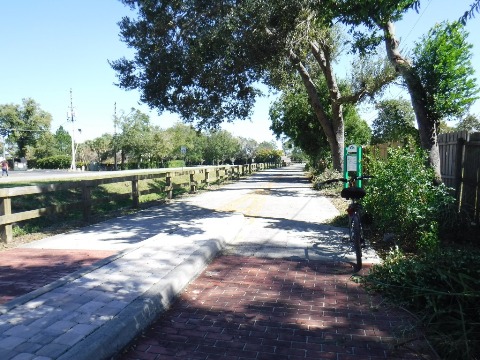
(427, 124)
(333, 128)
(322, 53)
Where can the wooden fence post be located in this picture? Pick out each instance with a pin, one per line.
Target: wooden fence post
(6, 230)
(135, 193)
(193, 183)
(459, 169)
(207, 177)
(168, 185)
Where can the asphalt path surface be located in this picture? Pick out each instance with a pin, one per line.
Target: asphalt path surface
(284, 218)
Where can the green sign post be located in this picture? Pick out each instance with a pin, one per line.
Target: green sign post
(352, 163)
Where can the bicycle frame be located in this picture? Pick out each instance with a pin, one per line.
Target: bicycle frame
(354, 211)
(355, 228)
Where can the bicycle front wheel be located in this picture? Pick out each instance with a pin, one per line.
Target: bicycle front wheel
(356, 237)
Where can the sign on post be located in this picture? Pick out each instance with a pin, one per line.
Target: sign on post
(352, 164)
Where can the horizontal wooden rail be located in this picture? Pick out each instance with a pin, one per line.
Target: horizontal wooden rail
(89, 183)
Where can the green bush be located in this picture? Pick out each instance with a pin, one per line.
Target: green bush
(55, 162)
(403, 199)
(327, 174)
(443, 288)
(268, 156)
(176, 163)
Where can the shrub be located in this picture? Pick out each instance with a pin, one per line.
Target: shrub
(176, 163)
(268, 156)
(443, 288)
(404, 200)
(326, 174)
(55, 162)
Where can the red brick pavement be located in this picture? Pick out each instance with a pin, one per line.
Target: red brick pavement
(25, 270)
(253, 308)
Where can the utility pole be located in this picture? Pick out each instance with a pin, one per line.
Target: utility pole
(115, 135)
(71, 118)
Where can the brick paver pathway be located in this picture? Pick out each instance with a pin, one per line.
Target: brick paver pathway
(25, 270)
(254, 308)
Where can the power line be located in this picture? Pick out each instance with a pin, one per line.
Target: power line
(419, 18)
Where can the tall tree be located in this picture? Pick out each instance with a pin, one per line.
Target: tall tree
(44, 147)
(442, 60)
(394, 122)
(291, 115)
(220, 146)
(23, 124)
(470, 122)
(202, 59)
(162, 145)
(134, 137)
(380, 16)
(102, 146)
(63, 141)
(187, 138)
(247, 150)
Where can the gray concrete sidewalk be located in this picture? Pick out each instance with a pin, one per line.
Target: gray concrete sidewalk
(94, 313)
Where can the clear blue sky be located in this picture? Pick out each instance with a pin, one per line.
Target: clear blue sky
(48, 47)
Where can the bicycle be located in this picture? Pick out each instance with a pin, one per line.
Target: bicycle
(354, 212)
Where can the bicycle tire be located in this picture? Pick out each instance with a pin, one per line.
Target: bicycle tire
(356, 238)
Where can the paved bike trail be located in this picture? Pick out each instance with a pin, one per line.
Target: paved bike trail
(280, 289)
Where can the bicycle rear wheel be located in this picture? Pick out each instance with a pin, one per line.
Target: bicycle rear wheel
(356, 238)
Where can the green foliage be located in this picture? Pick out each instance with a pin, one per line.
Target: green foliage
(470, 14)
(442, 60)
(55, 162)
(321, 176)
(220, 146)
(102, 146)
(469, 123)
(23, 124)
(395, 122)
(185, 136)
(292, 116)
(404, 200)
(247, 150)
(268, 156)
(357, 130)
(176, 163)
(62, 141)
(443, 288)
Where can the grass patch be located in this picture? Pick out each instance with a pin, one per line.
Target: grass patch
(442, 288)
(108, 201)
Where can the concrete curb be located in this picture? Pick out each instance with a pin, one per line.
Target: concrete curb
(139, 314)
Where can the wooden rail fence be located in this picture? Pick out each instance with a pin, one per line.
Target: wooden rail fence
(195, 175)
(460, 167)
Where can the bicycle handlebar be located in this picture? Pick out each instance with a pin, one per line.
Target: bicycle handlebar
(353, 178)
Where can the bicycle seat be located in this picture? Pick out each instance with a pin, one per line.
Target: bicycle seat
(352, 193)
